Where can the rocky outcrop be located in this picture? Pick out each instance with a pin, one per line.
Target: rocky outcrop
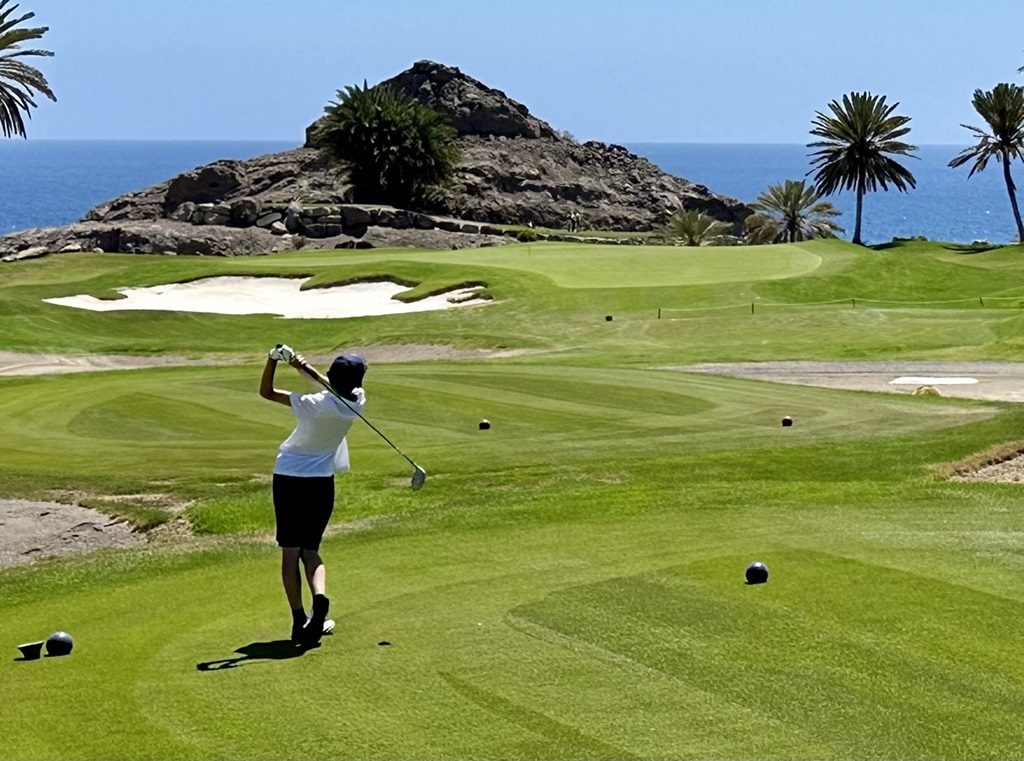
(514, 169)
(273, 178)
(543, 180)
(473, 107)
(183, 237)
(141, 237)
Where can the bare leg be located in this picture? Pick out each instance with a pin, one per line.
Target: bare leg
(316, 577)
(290, 576)
(316, 573)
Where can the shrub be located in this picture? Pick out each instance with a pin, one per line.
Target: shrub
(694, 228)
(395, 149)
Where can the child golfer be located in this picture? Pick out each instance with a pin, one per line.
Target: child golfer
(304, 477)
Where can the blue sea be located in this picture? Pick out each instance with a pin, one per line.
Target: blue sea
(944, 206)
(45, 183)
(54, 182)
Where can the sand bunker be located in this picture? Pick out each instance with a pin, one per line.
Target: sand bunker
(273, 295)
(988, 380)
(924, 380)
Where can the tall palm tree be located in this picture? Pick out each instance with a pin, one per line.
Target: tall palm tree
(791, 212)
(695, 228)
(18, 81)
(852, 152)
(1002, 108)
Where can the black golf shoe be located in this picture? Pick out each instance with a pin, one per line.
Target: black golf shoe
(314, 628)
(298, 625)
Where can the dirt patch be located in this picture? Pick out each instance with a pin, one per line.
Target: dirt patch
(18, 363)
(398, 353)
(1003, 463)
(158, 501)
(1009, 471)
(31, 531)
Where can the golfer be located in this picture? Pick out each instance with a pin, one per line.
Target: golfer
(304, 477)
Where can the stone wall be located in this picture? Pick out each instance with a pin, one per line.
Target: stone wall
(320, 220)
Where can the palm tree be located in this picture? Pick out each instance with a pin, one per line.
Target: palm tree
(396, 149)
(695, 228)
(18, 81)
(1002, 108)
(791, 212)
(852, 152)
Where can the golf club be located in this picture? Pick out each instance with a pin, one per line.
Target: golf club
(419, 475)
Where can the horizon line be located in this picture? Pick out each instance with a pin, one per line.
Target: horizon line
(300, 143)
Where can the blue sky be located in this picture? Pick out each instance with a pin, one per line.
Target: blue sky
(733, 71)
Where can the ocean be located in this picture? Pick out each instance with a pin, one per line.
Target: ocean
(54, 182)
(46, 183)
(945, 205)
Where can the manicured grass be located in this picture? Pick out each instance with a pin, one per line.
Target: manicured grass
(568, 584)
(574, 266)
(542, 300)
(529, 590)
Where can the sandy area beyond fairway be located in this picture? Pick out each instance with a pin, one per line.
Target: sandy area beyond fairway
(992, 381)
(273, 295)
(24, 363)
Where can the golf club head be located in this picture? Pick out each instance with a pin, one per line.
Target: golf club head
(419, 477)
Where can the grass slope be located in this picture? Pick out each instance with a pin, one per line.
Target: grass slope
(569, 583)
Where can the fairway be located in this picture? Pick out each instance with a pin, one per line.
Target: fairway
(568, 583)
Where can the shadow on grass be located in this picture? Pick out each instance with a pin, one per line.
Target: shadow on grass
(972, 248)
(978, 247)
(255, 652)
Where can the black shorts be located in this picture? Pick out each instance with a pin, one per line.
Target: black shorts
(302, 507)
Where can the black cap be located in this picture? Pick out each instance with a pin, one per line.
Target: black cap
(347, 373)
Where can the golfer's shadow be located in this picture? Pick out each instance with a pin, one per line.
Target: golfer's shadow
(254, 652)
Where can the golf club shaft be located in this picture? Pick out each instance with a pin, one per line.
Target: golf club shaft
(316, 377)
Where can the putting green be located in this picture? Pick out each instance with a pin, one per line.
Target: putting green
(607, 266)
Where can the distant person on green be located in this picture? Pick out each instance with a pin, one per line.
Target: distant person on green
(304, 471)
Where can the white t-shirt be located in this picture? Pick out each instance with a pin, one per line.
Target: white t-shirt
(317, 446)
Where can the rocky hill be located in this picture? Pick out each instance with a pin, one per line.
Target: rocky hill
(517, 169)
(514, 169)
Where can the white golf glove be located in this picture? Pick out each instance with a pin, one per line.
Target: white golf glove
(281, 353)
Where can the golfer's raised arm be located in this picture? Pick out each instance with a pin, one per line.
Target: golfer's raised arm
(267, 390)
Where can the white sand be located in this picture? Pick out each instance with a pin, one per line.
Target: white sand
(924, 380)
(272, 295)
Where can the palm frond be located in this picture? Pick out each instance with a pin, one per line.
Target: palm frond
(19, 82)
(857, 139)
(1002, 108)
